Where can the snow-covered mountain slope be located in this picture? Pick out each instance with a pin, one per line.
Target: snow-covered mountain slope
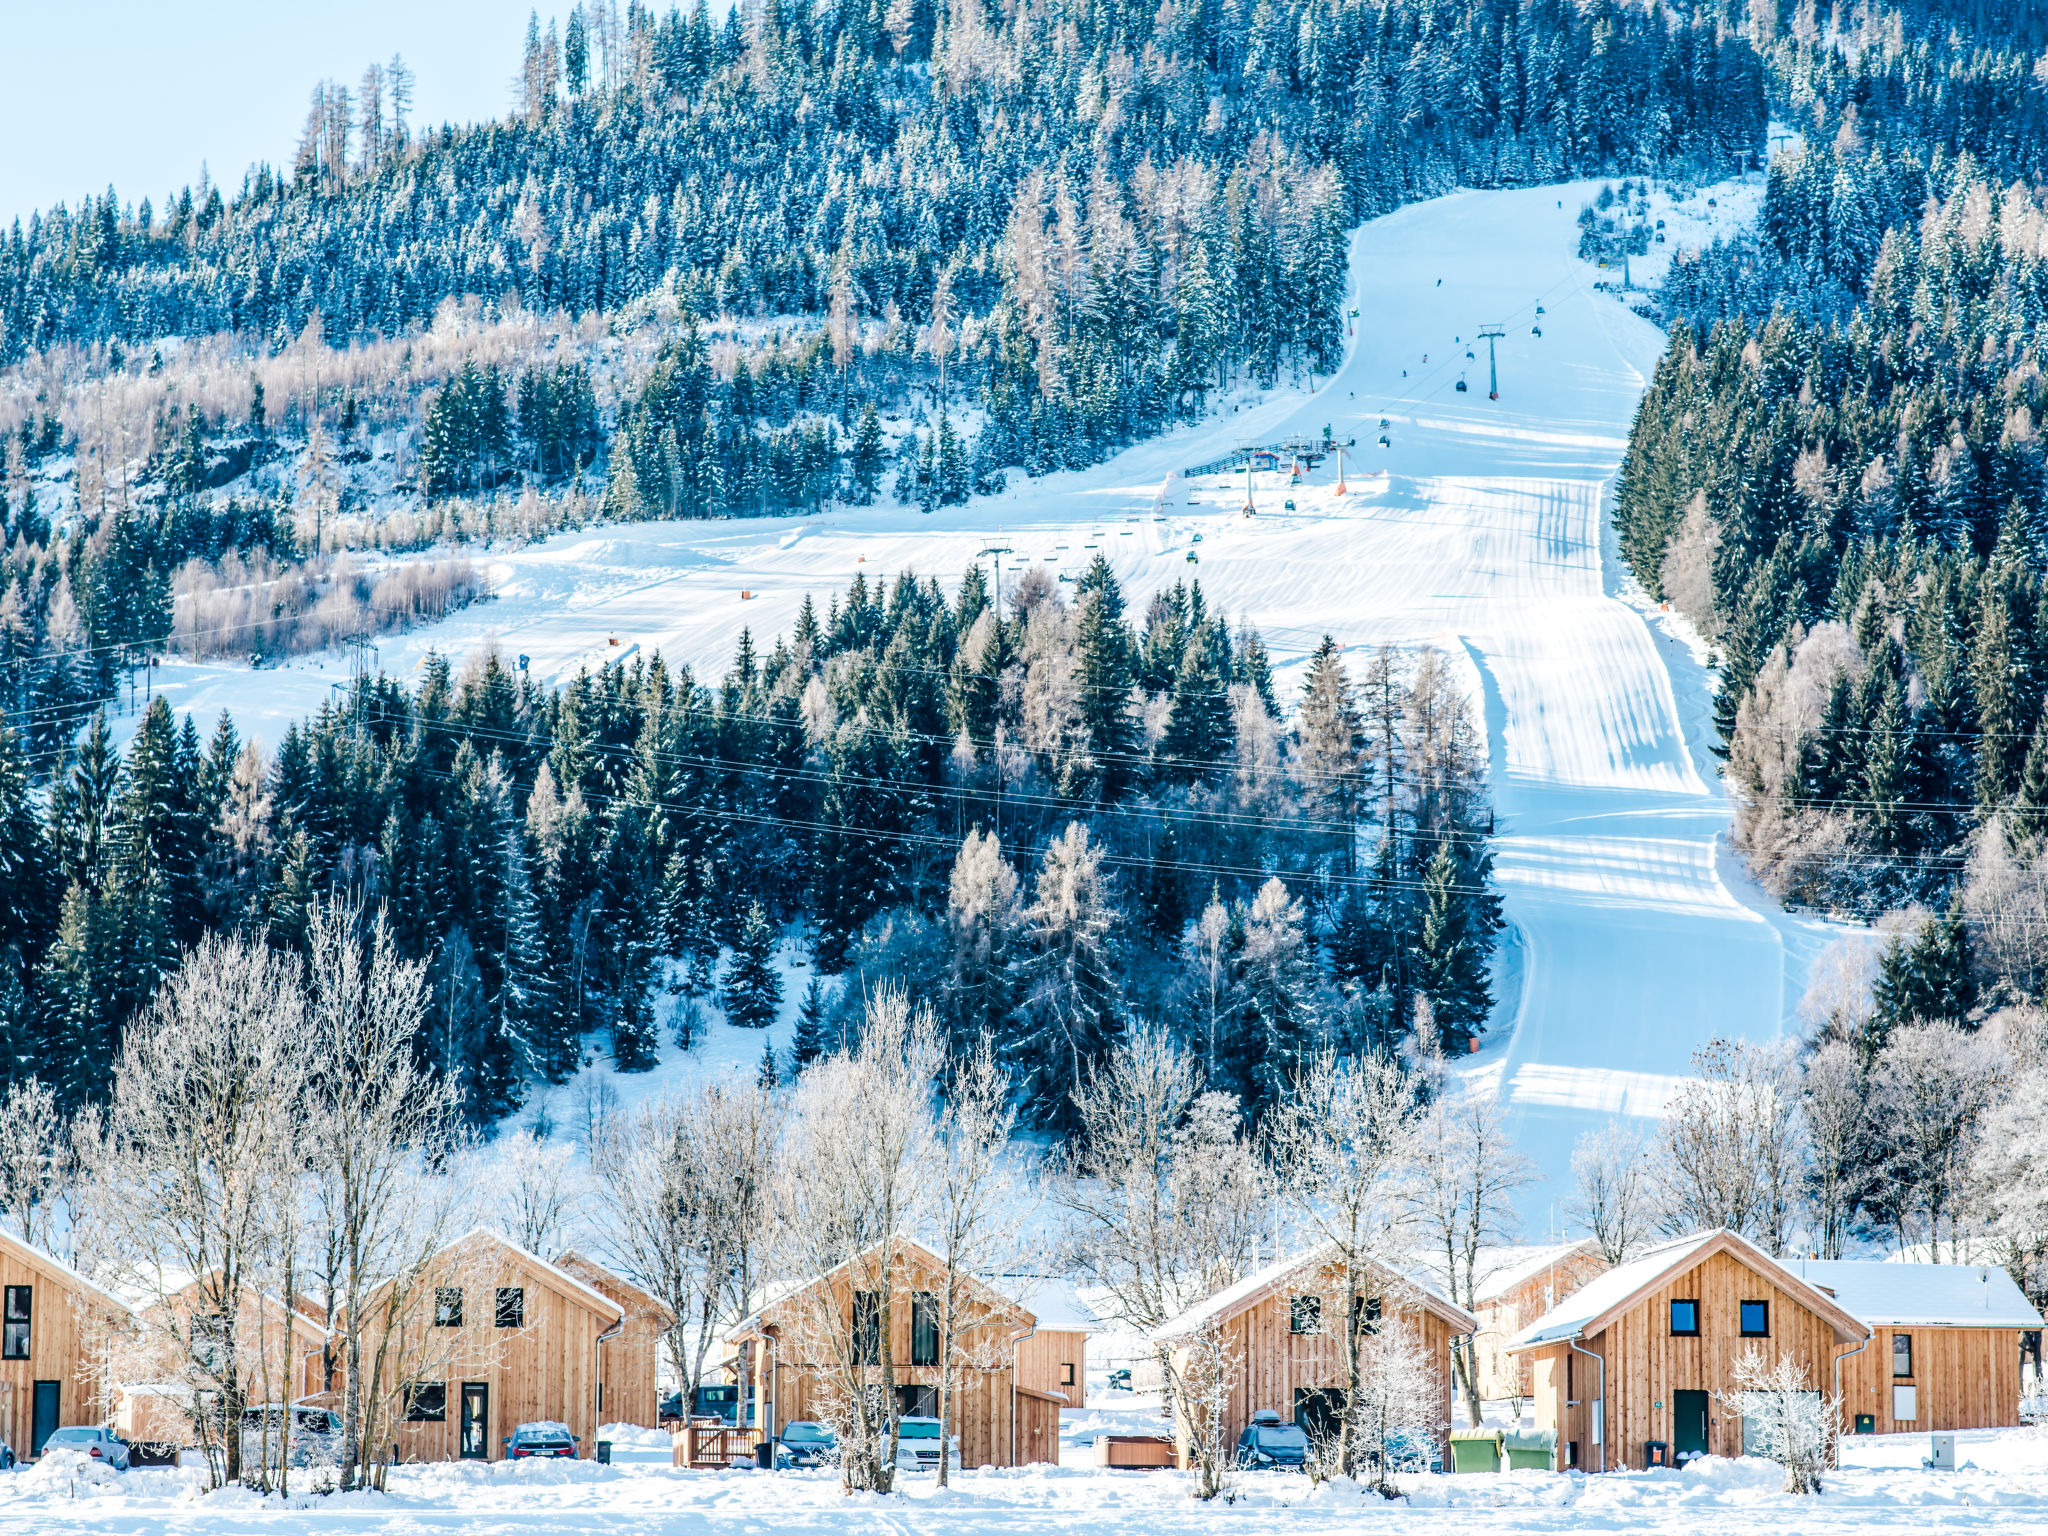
(1477, 528)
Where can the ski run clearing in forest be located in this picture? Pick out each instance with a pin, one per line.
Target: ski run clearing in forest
(1476, 529)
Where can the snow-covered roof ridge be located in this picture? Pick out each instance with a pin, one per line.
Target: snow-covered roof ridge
(1254, 1286)
(33, 1255)
(569, 1282)
(1500, 1269)
(1894, 1294)
(1054, 1300)
(781, 1290)
(1595, 1304)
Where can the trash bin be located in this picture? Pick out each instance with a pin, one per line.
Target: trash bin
(1656, 1453)
(764, 1455)
(1475, 1450)
(604, 1452)
(1531, 1450)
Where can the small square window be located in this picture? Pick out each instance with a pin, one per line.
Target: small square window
(511, 1306)
(14, 1335)
(426, 1402)
(1067, 1374)
(1685, 1319)
(447, 1306)
(1305, 1314)
(1365, 1314)
(1756, 1319)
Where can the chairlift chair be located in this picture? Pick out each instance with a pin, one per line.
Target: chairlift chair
(1461, 386)
(1383, 441)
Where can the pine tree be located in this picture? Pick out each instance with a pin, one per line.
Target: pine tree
(635, 1047)
(810, 1042)
(1452, 951)
(767, 1076)
(752, 995)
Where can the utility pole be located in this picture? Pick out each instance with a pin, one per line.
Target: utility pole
(1490, 334)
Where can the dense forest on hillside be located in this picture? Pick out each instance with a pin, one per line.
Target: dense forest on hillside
(1053, 822)
(1838, 475)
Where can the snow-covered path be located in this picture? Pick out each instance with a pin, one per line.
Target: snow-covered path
(1477, 529)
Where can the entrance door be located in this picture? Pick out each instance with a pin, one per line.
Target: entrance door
(48, 1406)
(476, 1421)
(1688, 1425)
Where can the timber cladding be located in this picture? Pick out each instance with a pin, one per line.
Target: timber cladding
(1055, 1362)
(159, 1388)
(1505, 1313)
(787, 1356)
(58, 1354)
(500, 1336)
(1960, 1378)
(629, 1365)
(1648, 1365)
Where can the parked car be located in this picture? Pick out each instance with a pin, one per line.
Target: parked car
(1270, 1441)
(315, 1434)
(717, 1403)
(1120, 1380)
(806, 1443)
(544, 1437)
(917, 1444)
(1411, 1450)
(670, 1407)
(90, 1440)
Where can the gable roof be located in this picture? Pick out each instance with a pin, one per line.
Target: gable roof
(1924, 1295)
(577, 1290)
(604, 1275)
(1601, 1300)
(1501, 1269)
(1262, 1283)
(31, 1255)
(1054, 1302)
(774, 1295)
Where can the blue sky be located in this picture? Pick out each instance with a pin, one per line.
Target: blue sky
(138, 94)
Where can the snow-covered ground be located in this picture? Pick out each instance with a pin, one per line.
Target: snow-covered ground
(2001, 1484)
(1478, 528)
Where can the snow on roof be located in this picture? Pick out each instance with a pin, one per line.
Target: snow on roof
(569, 1282)
(1501, 1269)
(782, 1290)
(34, 1255)
(1054, 1302)
(1571, 1318)
(1226, 1301)
(1924, 1295)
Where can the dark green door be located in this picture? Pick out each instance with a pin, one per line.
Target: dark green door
(476, 1421)
(1688, 1425)
(49, 1401)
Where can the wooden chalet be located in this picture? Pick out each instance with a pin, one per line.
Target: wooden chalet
(282, 1350)
(1516, 1286)
(1638, 1354)
(629, 1366)
(1283, 1329)
(782, 1369)
(1053, 1358)
(1945, 1351)
(507, 1339)
(55, 1326)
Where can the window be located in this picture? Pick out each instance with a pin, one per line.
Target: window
(924, 1329)
(20, 1314)
(1905, 1404)
(1685, 1319)
(867, 1327)
(1902, 1355)
(426, 1402)
(1365, 1314)
(1571, 1393)
(1304, 1314)
(511, 1306)
(447, 1306)
(1756, 1319)
(1066, 1373)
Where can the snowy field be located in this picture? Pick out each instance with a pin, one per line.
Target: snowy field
(2001, 1484)
(1478, 528)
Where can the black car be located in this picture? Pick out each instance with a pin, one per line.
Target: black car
(544, 1437)
(1270, 1441)
(806, 1443)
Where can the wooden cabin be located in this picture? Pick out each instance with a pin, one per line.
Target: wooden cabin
(1638, 1354)
(629, 1366)
(1053, 1358)
(1283, 1333)
(1515, 1287)
(54, 1330)
(507, 1339)
(781, 1356)
(282, 1352)
(1945, 1351)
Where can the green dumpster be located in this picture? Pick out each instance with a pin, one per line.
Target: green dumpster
(1531, 1450)
(1475, 1450)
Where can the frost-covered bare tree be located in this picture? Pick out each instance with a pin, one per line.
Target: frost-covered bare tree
(542, 1190)
(35, 1159)
(1930, 1088)
(380, 1133)
(1838, 1002)
(1613, 1196)
(1168, 1198)
(1784, 1419)
(973, 1217)
(1732, 1151)
(1834, 1093)
(856, 1173)
(200, 1149)
(1399, 1392)
(685, 1204)
(1468, 1172)
(1346, 1140)
(2010, 1175)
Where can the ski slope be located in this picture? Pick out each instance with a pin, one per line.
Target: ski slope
(1477, 529)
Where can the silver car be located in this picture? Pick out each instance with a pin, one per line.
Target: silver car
(917, 1445)
(315, 1435)
(91, 1441)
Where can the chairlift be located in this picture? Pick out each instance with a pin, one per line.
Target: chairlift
(1191, 558)
(1196, 539)
(1461, 386)
(1660, 237)
(1383, 441)
(1468, 354)
(1539, 309)
(1385, 423)
(1290, 506)
(1535, 330)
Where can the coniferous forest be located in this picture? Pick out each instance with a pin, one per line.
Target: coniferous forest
(1837, 474)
